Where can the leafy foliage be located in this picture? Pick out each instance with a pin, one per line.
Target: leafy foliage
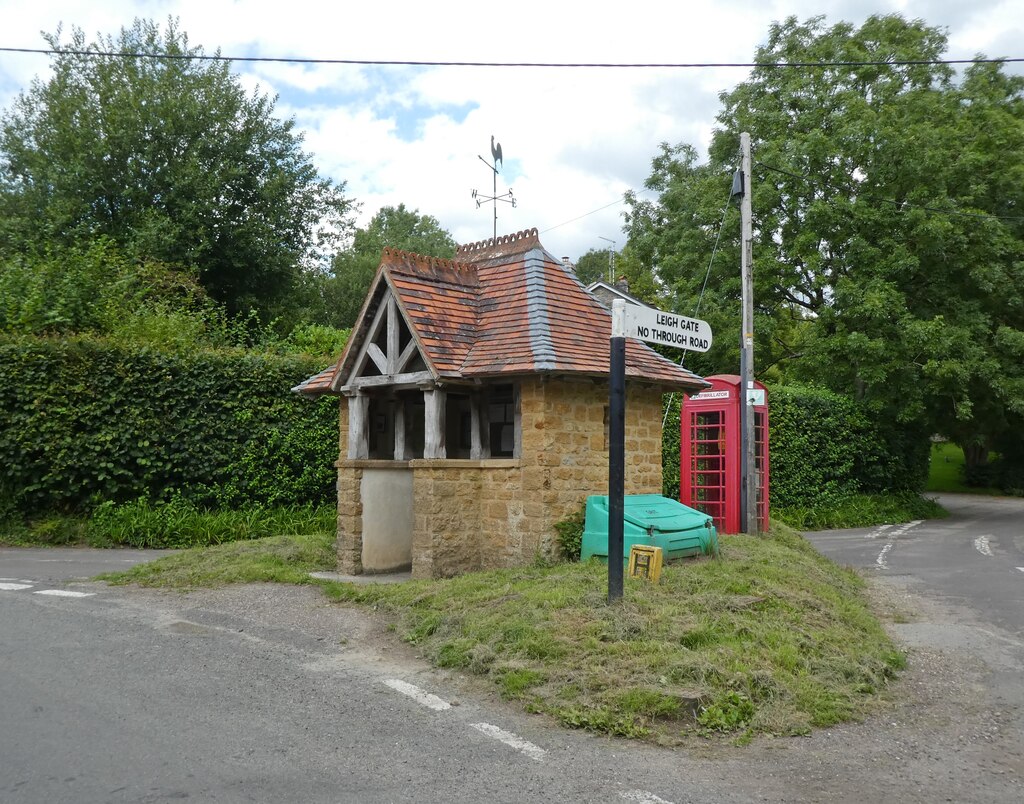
(353, 269)
(570, 533)
(825, 449)
(172, 160)
(889, 244)
(595, 265)
(94, 288)
(859, 511)
(178, 523)
(83, 421)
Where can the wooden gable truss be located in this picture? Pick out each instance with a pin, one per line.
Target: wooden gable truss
(390, 360)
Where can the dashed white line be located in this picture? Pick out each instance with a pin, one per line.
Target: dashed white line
(7, 586)
(644, 797)
(982, 546)
(534, 752)
(63, 593)
(430, 701)
(418, 695)
(1021, 569)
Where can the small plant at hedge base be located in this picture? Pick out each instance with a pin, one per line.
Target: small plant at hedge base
(570, 533)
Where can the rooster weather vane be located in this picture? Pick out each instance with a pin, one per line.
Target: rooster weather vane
(494, 198)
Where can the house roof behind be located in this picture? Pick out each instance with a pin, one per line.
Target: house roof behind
(502, 307)
(601, 288)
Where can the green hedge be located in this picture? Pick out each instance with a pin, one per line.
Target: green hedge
(824, 448)
(83, 421)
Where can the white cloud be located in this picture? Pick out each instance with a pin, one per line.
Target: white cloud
(574, 140)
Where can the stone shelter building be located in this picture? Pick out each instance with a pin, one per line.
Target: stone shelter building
(474, 410)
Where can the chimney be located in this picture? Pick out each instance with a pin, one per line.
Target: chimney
(622, 284)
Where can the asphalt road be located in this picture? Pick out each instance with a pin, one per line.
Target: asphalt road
(265, 693)
(974, 559)
(268, 693)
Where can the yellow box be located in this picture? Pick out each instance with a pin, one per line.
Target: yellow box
(645, 562)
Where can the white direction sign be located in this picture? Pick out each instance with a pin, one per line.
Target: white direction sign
(668, 329)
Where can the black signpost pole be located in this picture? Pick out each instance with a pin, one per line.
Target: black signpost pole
(616, 451)
(653, 326)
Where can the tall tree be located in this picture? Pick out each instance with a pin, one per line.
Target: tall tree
(887, 209)
(353, 269)
(172, 159)
(595, 265)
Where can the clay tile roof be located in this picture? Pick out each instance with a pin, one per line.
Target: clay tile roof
(499, 248)
(317, 384)
(503, 306)
(440, 300)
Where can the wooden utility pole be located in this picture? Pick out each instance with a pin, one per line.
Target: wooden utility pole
(748, 467)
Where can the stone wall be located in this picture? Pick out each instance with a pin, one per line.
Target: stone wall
(471, 515)
(349, 544)
(567, 440)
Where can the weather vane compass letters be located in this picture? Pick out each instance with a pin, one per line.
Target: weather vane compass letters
(494, 198)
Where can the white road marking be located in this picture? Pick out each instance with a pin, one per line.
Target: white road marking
(981, 545)
(16, 580)
(880, 562)
(877, 531)
(14, 587)
(63, 593)
(1021, 569)
(418, 695)
(534, 752)
(643, 797)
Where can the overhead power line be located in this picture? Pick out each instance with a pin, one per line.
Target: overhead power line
(425, 63)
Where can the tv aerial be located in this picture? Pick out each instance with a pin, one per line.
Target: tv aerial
(494, 198)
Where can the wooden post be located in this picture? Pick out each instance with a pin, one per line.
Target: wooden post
(433, 429)
(399, 429)
(358, 426)
(478, 426)
(748, 473)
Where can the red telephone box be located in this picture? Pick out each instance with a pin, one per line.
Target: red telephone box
(710, 452)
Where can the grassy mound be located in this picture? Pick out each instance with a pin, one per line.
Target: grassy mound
(770, 638)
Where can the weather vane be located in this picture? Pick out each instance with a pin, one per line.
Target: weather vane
(494, 198)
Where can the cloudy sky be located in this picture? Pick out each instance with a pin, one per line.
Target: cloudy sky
(573, 139)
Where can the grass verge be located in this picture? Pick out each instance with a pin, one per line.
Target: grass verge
(278, 559)
(946, 472)
(176, 524)
(946, 469)
(769, 638)
(861, 511)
